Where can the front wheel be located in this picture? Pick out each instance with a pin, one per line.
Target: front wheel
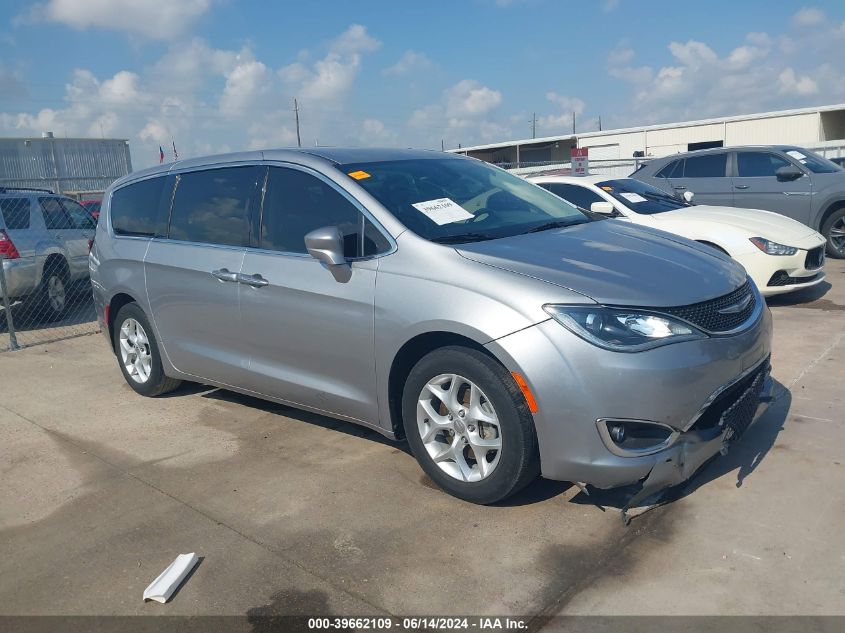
(834, 231)
(137, 353)
(468, 425)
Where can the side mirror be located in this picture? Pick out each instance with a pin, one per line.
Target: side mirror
(326, 245)
(788, 172)
(688, 196)
(604, 208)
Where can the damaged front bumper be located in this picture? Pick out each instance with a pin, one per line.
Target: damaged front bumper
(724, 423)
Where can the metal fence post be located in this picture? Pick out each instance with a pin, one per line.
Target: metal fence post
(7, 308)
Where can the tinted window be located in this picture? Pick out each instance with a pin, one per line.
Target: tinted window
(667, 170)
(579, 196)
(80, 217)
(758, 164)
(814, 162)
(15, 213)
(296, 203)
(374, 240)
(213, 206)
(54, 214)
(134, 208)
(709, 166)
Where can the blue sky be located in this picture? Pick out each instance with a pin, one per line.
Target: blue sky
(220, 75)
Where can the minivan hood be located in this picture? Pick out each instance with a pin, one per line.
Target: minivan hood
(615, 263)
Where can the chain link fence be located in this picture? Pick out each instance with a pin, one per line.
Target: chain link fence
(41, 308)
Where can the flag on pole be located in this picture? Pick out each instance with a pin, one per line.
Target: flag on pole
(160, 154)
(175, 153)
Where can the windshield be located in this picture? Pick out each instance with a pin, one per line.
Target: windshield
(454, 200)
(813, 162)
(640, 197)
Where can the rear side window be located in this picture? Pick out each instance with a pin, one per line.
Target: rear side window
(579, 196)
(758, 164)
(213, 206)
(296, 203)
(134, 208)
(80, 217)
(15, 213)
(55, 217)
(708, 166)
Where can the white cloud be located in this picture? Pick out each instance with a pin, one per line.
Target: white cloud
(791, 83)
(157, 19)
(245, 84)
(333, 75)
(470, 98)
(411, 61)
(569, 104)
(609, 5)
(808, 16)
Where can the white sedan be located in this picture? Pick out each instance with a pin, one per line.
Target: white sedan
(779, 254)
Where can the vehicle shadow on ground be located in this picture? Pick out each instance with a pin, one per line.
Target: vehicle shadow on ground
(743, 457)
(799, 297)
(349, 428)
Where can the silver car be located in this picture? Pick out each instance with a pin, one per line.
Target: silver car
(789, 180)
(434, 297)
(44, 243)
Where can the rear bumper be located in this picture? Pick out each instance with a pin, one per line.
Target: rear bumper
(576, 384)
(21, 276)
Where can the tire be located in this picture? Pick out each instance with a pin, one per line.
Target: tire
(834, 232)
(51, 302)
(511, 467)
(133, 339)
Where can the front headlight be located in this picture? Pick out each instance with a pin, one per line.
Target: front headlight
(772, 248)
(622, 330)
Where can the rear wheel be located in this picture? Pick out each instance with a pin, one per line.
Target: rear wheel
(52, 300)
(137, 353)
(468, 425)
(834, 231)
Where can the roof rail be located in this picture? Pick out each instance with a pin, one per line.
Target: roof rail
(5, 189)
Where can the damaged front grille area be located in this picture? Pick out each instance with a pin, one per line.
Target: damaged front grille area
(729, 407)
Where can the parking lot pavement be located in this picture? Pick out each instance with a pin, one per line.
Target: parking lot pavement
(295, 513)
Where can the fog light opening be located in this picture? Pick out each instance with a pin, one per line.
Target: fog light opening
(635, 437)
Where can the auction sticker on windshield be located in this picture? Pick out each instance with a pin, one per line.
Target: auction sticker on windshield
(442, 211)
(632, 197)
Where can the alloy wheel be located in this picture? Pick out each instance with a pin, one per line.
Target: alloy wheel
(56, 293)
(837, 235)
(135, 351)
(459, 427)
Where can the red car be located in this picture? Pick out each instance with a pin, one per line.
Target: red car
(93, 207)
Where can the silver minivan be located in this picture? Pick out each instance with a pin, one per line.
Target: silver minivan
(439, 299)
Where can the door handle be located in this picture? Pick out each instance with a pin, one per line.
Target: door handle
(224, 275)
(256, 281)
(680, 187)
(741, 186)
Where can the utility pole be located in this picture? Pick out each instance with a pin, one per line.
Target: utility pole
(442, 146)
(599, 123)
(296, 113)
(573, 121)
(534, 126)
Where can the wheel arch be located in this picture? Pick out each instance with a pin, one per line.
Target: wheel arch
(115, 304)
(409, 354)
(829, 209)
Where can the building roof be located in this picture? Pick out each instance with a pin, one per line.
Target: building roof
(646, 128)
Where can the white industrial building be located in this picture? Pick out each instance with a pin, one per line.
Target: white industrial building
(821, 128)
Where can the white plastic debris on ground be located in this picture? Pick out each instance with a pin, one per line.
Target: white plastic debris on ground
(169, 580)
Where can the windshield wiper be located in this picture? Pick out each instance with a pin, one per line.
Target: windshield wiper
(556, 224)
(462, 238)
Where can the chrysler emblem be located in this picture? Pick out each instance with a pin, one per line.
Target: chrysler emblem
(739, 306)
